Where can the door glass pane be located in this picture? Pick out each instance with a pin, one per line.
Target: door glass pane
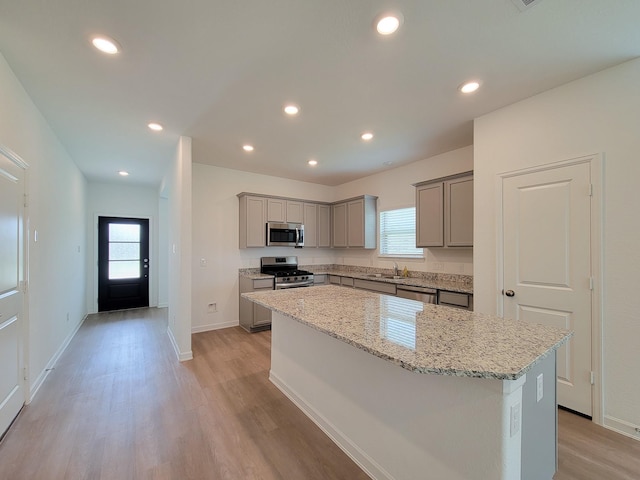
(124, 251)
(124, 232)
(124, 269)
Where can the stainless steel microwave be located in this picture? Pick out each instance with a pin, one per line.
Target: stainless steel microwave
(285, 234)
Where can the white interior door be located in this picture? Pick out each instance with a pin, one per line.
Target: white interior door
(11, 356)
(547, 266)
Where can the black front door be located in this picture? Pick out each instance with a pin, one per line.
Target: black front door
(123, 263)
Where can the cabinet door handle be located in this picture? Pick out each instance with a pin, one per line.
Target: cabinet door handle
(510, 293)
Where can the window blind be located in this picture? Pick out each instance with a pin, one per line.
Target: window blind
(398, 232)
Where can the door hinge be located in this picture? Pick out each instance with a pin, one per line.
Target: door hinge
(24, 372)
(26, 202)
(592, 378)
(591, 189)
(590, 283)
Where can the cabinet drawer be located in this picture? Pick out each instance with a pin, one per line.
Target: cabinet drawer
(453, 298)
(374, 286)
(346, 281)
(334, 279)
(263, 283)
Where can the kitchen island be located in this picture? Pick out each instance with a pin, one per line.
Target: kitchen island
(412, 390)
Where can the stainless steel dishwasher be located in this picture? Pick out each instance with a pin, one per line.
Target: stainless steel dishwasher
(422, 294)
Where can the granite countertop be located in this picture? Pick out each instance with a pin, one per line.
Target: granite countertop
(419, 337)
(436, 283)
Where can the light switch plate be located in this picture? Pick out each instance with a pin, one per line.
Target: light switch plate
(515, 419)
(539, 388)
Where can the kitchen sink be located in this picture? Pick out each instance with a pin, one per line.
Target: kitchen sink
(380, 275)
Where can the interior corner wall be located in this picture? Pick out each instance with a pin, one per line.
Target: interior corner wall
(596, 114)
(215, 238)
(121, 200)
(394, 189)
(178, 191)
(57, 194)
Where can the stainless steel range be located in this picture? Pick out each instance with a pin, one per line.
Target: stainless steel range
(286, 273)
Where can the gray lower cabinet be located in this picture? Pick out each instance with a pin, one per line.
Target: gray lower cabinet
(254, 317)
(338, 280)
(372, 285)
(320, 279)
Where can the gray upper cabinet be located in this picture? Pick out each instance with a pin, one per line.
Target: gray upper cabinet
(276, 210)
(444, 212)
(253, 215)
(282, 210)
(430, 215)
(458, 207)
(347, 224)
(324, 226)
(354, 223)
(310, 222)
(295, 212)
(339, 216)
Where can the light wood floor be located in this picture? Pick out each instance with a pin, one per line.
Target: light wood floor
(119, 406)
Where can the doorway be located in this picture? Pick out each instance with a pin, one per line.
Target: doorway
(123, 263)
(550, 264)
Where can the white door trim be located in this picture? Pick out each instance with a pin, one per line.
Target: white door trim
(596, 162)
(24, 281)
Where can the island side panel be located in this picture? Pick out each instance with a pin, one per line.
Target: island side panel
(394, 423)
(540, 422)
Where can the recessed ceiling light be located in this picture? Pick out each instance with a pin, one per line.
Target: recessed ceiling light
(388, 23)
(291, 109)
(156, 127)
(367, 136)
(470, 87)
(247, 148)
(123, 173)
(313, 163)
(105, 45)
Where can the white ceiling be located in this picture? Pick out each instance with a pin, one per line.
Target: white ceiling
(220, 72)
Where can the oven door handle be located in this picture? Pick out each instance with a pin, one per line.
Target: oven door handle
(293, 285)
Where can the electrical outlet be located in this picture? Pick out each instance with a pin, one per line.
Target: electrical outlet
(203, 262)
(212, 307)
(539, 388)
(437, 266)
(515, 419)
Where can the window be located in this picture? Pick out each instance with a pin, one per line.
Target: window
(398, 233)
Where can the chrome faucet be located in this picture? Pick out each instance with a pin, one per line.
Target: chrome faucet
(395, 269)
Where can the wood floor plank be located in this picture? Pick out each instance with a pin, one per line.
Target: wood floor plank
(118, 405)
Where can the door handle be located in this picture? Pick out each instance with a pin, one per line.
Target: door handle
(510, 293)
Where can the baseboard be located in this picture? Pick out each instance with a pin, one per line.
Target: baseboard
(364, 461)
(182, 356)
(213, 326)
(163, 305)
(35, 387)
(620, 426)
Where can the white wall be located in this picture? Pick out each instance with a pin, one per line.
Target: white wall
(215, 238)
(215, 227)
(596, 114)
(394, 189)
(177, 189)
(120, 200)
(57, 210)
